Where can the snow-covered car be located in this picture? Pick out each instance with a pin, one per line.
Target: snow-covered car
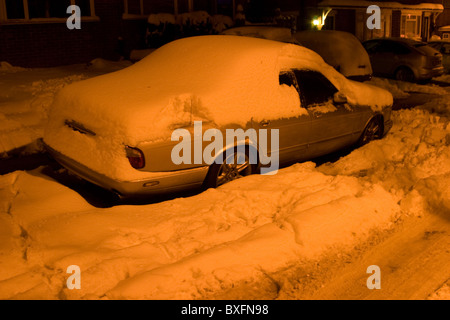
(340, 49)
(262, 32)
(443, 47)
(404, 59)
(121, 130)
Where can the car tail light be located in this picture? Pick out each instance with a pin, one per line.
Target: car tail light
(136, 157)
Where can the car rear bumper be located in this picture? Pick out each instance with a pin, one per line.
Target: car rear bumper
(161, 183)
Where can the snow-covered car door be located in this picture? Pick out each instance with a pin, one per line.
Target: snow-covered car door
(332, 123)
(293, 132)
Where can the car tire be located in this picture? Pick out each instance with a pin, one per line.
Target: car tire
(404, 74)
(230, 169)
(372, 131)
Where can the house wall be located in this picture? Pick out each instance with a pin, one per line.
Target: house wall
(345, 20)
(444, 18)
(396, 22)
(52, 43)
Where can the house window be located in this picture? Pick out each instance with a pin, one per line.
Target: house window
(410, 26)
(183, 6)
(134, 7)
(225, 7)
(158, 6)
(14, 9)
(36, 10)
(143, 8)
(203, 5)
(47, 8)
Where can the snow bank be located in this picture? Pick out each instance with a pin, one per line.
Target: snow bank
(102, 64)
(161, 18)
(412, 161)
(389, 85)
(190, 248)
(401, 89)
(7, 67)
(23, 117)
(440, 105)
(186, 248)
(26, 95)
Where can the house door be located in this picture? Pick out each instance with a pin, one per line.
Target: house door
(425, 28)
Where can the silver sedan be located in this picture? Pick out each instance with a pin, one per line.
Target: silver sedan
(164, 124)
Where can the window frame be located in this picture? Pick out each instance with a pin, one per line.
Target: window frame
(405, 18)
(302, 91)
(27, 20)
(132, 16)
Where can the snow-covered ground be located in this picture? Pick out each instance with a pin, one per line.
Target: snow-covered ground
(26, 95)
(240, 234)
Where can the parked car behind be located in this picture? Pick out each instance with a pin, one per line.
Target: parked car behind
(117, 130)
(444, 48)
(262, 32)
(340, 49)
(404, 59)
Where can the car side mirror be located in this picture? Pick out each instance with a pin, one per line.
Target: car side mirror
(339, 98)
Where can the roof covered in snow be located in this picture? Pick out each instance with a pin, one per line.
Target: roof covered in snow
(381, 4)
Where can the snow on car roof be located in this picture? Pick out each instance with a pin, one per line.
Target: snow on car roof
(225, 79)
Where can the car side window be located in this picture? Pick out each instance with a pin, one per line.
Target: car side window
(314, 87)
(445, 49)
(371, 46)
(398, 48)
(393, 47)
(288, 78)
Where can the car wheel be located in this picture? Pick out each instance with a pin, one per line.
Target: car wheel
(405, 74)
(373, 130)
(233, 166)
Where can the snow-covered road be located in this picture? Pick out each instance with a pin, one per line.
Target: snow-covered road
(307, 232)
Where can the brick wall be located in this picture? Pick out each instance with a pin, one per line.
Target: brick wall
(345, 20)
(52, 44)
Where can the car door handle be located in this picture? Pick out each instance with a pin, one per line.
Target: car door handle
(264, 123)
